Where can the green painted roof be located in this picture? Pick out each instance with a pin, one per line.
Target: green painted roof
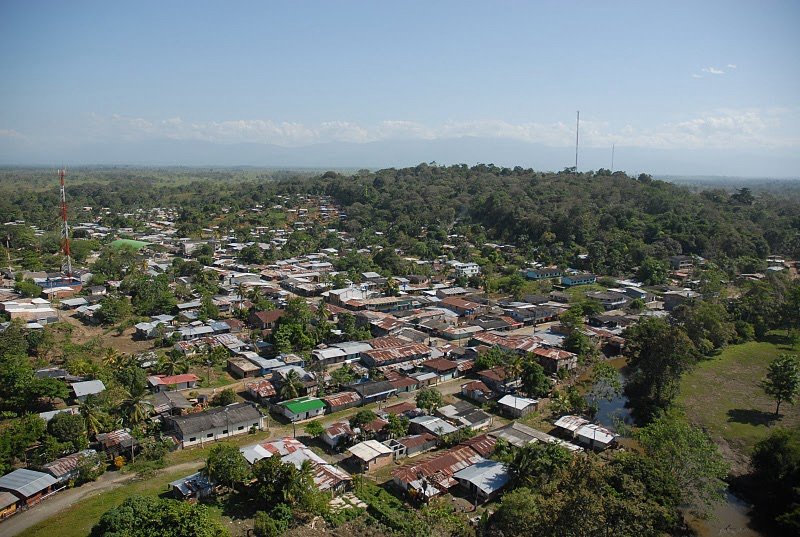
(298, 406)
(129, 243)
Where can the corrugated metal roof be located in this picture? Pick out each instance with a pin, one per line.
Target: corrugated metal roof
(482, 444)
(174, 379)
(65, 465)
(262, 388)
(290, 450)
(571, 423)
(446, 463)
(369, 450)
(88, 387)
(6, 499)
(231, 415)
(517, 403)
(386, 342)
(26, 482)
(298, 406)
(596, 433)
(488, 476)
(342, 398)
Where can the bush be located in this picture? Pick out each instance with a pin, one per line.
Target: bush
(266, 526)
(343, 516)
(224, 398)
(90, 468)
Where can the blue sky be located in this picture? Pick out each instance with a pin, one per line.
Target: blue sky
(704, 79)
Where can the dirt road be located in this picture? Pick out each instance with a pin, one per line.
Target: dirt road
(111, 480)
(65, 499)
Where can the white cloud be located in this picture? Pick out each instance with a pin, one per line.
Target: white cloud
(695, 75)
(11, 133)
(713, 71)
(731, 66)
(727, 128)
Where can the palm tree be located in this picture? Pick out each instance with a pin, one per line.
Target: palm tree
(135, 409)
(299, 482)
(513, 367)
(291, 385)
(92, 415)
(111, 357)
(173, 363)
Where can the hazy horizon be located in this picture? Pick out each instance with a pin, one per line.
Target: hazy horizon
(681, 89)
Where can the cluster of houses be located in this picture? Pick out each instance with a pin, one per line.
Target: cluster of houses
(427, 331)
(25, 487)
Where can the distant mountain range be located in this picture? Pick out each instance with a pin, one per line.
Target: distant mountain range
(400, 153)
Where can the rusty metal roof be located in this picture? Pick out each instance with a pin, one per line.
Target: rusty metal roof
(446, 463)
(262, 388)
(482, 444)
(397, 353)
(63, 466)
(387, 342)
(440, 365)
(341, 398)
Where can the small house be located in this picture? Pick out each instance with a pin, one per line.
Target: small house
(463, 414)
(119, 442)
(240, 367)
(483, 480)
(66, 468)
(444, 369)
(477, 391)
(374, 390)
(569, 280)
(192, 487)
(337, 434)
(8, 504)
(412, 445)
(262, 391)
(341, 401)
(264, 320)
(499, 379)
(554, 360)
(432, 425)
(595, 437)
(28, 485)
(84, 389)
(371, 454)
(569, 425)
(303, 408)
(516, 407)
(170, 403)
(163, 383)
(545, 273)
(215, 424)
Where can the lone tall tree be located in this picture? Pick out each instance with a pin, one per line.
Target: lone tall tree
(783, 380)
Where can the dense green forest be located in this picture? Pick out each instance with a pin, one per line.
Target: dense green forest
(602, 221)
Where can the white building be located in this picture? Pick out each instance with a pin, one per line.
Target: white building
(467, 269)
(216, 423)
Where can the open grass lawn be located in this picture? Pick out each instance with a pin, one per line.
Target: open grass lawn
(77, 521)
(723, 396)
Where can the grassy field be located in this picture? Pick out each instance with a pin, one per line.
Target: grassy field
(78, 520)
(723, 395)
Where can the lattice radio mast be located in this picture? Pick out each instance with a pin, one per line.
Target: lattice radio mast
(66, 267)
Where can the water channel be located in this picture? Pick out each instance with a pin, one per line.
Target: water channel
(728, 518)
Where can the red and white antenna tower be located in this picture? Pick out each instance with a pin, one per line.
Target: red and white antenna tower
(66, 267)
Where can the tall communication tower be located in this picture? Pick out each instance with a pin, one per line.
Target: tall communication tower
(66, 267)
(612, 156)
(577, 130)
